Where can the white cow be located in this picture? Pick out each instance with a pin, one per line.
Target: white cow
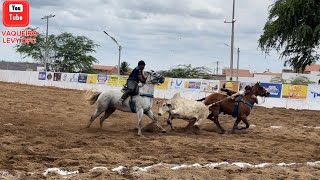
(178, 107)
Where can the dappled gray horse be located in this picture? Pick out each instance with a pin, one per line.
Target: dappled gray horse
(108, 102)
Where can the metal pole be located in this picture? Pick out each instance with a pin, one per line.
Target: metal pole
(120, 48)
(119, 60)
(217, 67)
(232, 41)
(46, 51)
(238, 64)
(46, 44)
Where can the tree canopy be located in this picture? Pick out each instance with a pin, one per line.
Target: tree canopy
(124, 68)
(66, 52)
(293, 27)
(298, 80)
(187, 71)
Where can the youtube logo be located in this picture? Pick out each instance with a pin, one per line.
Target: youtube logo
(15, 13)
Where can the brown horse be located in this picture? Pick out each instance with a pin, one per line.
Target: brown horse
(239, 108)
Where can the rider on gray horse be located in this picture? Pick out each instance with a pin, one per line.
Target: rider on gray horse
(135, 77)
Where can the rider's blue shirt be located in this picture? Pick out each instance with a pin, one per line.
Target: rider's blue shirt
(134, 74)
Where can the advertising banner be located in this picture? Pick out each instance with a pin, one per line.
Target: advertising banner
(92, 78)
(102, 79)
(164, 85)
(274, 89)
(314, 92)
(82, 78)
(294, 91)
(113, 80)
(42, 76)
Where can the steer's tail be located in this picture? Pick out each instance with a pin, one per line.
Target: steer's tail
(91, 97)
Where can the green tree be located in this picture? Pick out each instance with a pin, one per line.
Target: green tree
(37, 51)
(73, 53)
(301, 80)
(293, 27)
(187, 71)
(278, 79)
(66, 52)
(124, 68)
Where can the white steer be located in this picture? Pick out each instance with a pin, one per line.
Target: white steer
(181, 108)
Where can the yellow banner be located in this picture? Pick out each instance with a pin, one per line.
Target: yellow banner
(233, 86)
(92, 78)
(113, 81)
(294, 91)
(164, 85)
(123, 80)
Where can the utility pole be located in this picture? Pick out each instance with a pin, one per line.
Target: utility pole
(46, 46)
(238, 61)
(238, 64)
(217, 67)
(232, 40)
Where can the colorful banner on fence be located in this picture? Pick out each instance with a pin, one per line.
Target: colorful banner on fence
(112, 81)
(176, 83)
(192, 85)
(314, 92)
(234, 86)
(42, 76)
(82, 78)
(273, 88)
(92, 78)
(102, 78)
(70, 77)
(49, 76)
(294, 91)
(123, 80)
(164, 85)
(57, 76)
(209, 86)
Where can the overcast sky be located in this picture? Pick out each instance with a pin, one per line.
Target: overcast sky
(164, 33)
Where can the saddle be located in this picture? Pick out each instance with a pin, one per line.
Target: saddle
(132, 102)
(238, 99)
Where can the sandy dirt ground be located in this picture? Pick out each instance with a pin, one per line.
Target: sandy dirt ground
(41, 128)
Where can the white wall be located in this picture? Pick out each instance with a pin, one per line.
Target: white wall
(31, 78)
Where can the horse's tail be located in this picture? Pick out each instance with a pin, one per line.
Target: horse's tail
(92, 97)
(200, 100)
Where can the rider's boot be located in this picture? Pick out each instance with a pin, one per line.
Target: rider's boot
(124, 97)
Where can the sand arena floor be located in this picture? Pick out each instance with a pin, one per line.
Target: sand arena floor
(40, 128)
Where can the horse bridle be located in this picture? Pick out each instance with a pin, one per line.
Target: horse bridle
(156, 79)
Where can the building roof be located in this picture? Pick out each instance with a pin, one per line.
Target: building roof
(269, 74)
(314, 67)
(242, 72)
(18, 66)
(104, 68)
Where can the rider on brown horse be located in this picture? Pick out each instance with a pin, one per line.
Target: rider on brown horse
(244, 92)
(239, 107)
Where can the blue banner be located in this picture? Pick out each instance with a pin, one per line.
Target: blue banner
(82, 78)
(102, 78)
(273, 88)
(42, 76)
(313, 92)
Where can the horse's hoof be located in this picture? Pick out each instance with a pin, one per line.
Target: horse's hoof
(164, 131)
(222, 132)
